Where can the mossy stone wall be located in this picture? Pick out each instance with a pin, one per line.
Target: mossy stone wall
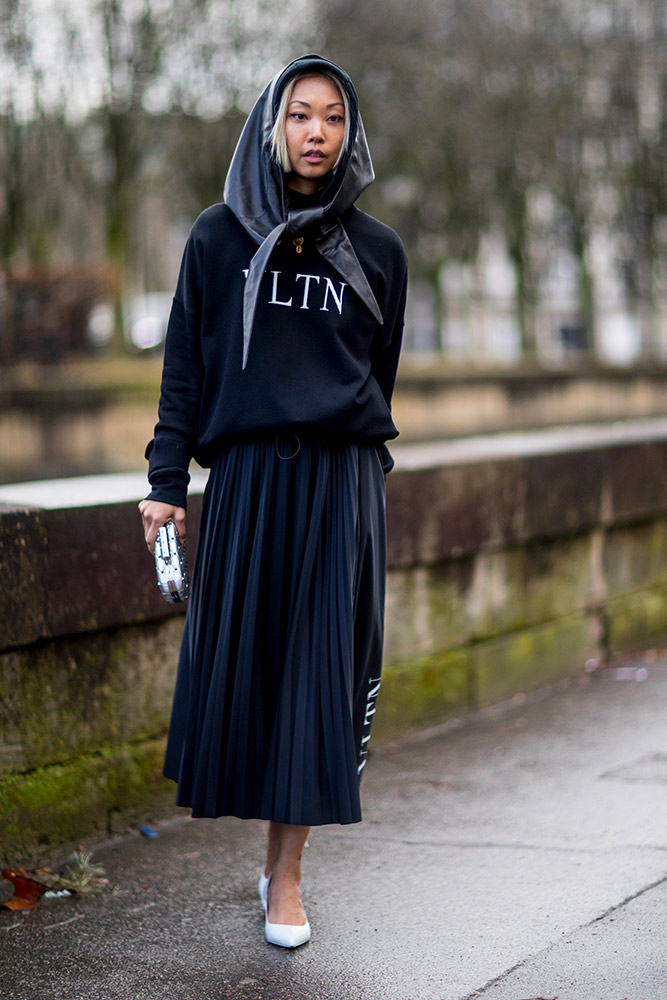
(505, 574)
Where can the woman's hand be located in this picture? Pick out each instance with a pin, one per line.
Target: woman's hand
(154, 514)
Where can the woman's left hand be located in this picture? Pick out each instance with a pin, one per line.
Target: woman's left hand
(154, 514)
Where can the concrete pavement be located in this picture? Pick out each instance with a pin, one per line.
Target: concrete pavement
(520, 854)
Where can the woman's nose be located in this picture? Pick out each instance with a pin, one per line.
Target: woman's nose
(316, 130)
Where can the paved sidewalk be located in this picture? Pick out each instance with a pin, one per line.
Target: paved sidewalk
(520, 855)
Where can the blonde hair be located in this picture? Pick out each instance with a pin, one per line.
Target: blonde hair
(278, 135)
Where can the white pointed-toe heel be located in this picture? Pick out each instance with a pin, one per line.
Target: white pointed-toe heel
(287, 935)
(283, 935)
(262, 886)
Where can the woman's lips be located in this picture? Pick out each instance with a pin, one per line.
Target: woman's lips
(313, 156)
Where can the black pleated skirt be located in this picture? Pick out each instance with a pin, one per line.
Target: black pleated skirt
(281, 656)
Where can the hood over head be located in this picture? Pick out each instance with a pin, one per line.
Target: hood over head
(255, 191)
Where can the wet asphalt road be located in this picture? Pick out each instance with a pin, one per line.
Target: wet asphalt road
(520, 855)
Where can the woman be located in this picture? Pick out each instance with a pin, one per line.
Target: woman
(279, 366)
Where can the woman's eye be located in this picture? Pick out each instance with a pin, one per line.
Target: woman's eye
(336, 119)
(298, 116)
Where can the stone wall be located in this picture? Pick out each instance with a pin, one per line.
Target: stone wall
(434, 405)
(523, 564)
(513, 562)
(64, 421)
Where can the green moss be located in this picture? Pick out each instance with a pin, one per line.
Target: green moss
(425, 611)
(479, 598)
(456, 681)
(69, 696)
(415, 693)
(533, 657)
(636, 557)
(518, 588)
(637, 617)
(84, 799)
(448, 590)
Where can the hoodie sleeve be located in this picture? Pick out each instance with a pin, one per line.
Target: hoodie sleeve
(385, 355)
(175, 436)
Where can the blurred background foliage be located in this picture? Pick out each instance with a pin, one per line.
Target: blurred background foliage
(520, 152)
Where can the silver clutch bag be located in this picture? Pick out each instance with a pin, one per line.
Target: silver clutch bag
(171, 565)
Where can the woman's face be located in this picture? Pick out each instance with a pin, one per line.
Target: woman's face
(314, 130)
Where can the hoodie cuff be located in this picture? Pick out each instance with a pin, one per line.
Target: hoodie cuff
(170, 487)
(168, 461)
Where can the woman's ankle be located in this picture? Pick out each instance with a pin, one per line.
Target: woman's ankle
(284, 901)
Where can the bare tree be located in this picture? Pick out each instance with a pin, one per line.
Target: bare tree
(473, 106)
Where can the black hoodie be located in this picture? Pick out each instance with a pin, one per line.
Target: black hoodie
(291, 335)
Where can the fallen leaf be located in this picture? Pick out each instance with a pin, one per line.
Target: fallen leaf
(27, 891)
